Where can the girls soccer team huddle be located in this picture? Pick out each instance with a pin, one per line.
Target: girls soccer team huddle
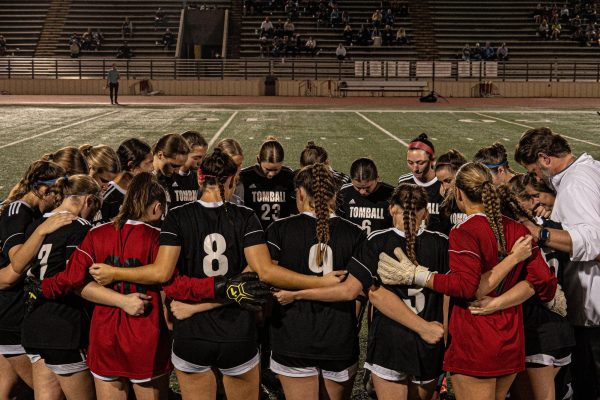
(117, 267)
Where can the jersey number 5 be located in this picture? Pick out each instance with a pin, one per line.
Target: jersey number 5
(215, 263)
(327, 266)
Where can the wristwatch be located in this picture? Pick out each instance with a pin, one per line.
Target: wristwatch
(543, 236)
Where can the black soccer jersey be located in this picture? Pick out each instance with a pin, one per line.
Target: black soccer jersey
(112, 200)
(212, 242)
(15, 219)
(271, 199)
(436, 222)
(312, 329)
(62, 323)
(167, 183)
(370, 212)
(185, 188)
(411, 354)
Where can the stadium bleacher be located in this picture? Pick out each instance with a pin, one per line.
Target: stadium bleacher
(21, 24)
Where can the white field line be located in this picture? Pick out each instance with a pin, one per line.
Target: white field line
(349, 110)
(531, 127)
(57, 129)
(397, 139)
(221, 129)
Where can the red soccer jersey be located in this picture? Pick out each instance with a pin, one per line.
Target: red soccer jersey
(120, 345)
(491, 345)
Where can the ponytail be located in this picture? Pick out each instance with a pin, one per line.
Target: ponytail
(411, 199)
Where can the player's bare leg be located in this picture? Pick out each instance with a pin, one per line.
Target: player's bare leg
(390, 390)
(336, 390)
(156, 389)
(8, 378)
(421, 392)
(468, 387)
(197, 386)
(78, 386)
(45, 383)
(300, 388)
(22, 367)
(503, 385)
(535, 384)
(244, 386)
(113, 390)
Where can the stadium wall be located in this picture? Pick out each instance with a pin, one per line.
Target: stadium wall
(256, 87)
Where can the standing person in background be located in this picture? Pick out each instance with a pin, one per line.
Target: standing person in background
(186, 185)
(577, 207)
(112, 82)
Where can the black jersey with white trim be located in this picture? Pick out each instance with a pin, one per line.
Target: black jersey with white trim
(112, 200)
(272, 198)
(185, 188)
(167, 183)
(14, 220)
(431, 249)
(212, 238)
(62, 323)
(437, 222)
(370, 212)
(314, 329)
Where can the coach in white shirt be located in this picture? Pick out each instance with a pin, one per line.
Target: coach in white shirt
(577, 207)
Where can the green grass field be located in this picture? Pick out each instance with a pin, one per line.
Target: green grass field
(28, 132)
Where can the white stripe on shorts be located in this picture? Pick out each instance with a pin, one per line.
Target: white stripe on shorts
(132, 380)
(303, 372)
(186, 366)
(12, 349)
(545, 359)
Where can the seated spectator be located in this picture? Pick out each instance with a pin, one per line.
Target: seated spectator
(488, 52)
(556, 28)
(376, 19)
(502, 52)
(279, 32)
(278, 47)
(376, 38)
(340, 52)
(364, 36)
(289, 28)
(127, 28)
(576, 22)
(476, 52)
(75, 38)
(387, 36)
(466, 52)
(291, 9)
(538, 13)
(3, 46)
(579, 36)
(168, 39)
(310, 47)
(564, 13)
(590, 34)
(86, 40)
(160, 18)
(124, 51)
(290, 46)
(544, 29)
(389, 18)
(97, 39)
(348, 35)
(266, 28)
(74, 49)
(335, 18)
(401, 36)
(345, 18)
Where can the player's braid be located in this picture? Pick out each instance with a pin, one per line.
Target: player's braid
(321, 197)
(493, 212)
(511, 204)
(410, 226)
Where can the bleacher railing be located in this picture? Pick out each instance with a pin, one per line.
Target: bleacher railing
(299, 69)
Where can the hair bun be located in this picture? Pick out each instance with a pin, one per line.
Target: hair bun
(270, 138)
(423, 136)
(310, 144)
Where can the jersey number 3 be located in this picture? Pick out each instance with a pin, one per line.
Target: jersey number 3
(215, 263)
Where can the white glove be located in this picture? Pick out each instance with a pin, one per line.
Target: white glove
(559, 303)
(401, 271)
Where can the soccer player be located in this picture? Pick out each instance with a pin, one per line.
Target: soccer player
(215, 240)
(313, 154)
(134, 157)
(485, 352)
(494, 157)
(420, 158)
(57, 331)
(103, 163)
(445, 170)
(170, 153)
(308, 358)
(365, 201)
(233, 149)
(70, 158)
(185, 181)
(26, 202)
(269, 185)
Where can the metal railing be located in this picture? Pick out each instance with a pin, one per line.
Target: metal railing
(299, 69)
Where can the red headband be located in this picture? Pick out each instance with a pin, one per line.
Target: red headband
(416, 145)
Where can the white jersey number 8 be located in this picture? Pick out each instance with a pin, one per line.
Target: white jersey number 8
(214, 247)
(327, 266)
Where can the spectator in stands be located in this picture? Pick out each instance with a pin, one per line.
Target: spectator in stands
(579, 36)
(290, 46)
(266, 28)
(348, 35)
(278, 47)
(401, 36)
(168, 40)
(544, 29)
(75, 49)
(576, 22)
(160, 18)
(502, 52)
(124, 51)
(279, 32)
(376, 19)
(564, 13)
(538, 13)
(376, 37)
(489, 53)
(86, 40)
(590, 34)
(345, 18)
(75, 38)
(389, 18)
(291, 9)
(387, 36)
(289, 28)
(264, 45)
(97, 39)
(466, 52)
(126, 28)
(340, 52)
(364, 36)
(556, 28)
(477, 52)
(310, 47)
(335, 17)
(3, 45)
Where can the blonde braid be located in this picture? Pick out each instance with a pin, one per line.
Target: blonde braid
(493, 213)
(410, 227)
(321, 209)
(511, 203)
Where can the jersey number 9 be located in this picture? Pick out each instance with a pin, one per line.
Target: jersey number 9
(327, 266)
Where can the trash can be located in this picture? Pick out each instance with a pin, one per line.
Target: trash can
(270, 85)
